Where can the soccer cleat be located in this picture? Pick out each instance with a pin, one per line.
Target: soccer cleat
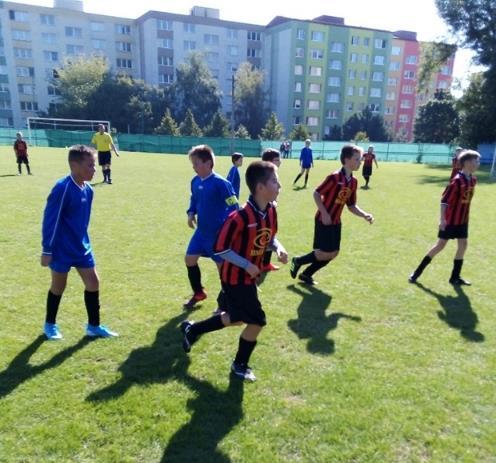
(412, 278)
(270, 268)
(100, 331)
(243, 372)
(307, 279)
(51, 331)
(109, 182)
(295, 266)
(197, 297)
(459, 282)
(188, 338)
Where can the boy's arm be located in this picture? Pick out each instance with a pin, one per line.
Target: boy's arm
(442, 219)
(326, 217)
(276, 246)
(191, 211)
(114, 148)
(51, 221)
(376, 165)
(354, 209)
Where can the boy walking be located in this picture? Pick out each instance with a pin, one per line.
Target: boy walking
(233, 174)
(336, 191)
(306, 162)
(212, 199)
(103, 142)
(21, 152)
(453, 223)
(368, 159)
(66, 242)
(241, 243)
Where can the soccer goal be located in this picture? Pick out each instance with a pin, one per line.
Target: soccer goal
(46, 131)
(493, 165)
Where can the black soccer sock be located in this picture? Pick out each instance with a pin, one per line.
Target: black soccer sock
(213, 323)
(306, 178)
(19, 168)
(92, 302)
(315, 267)
(306, 259)
(108, 175)
(222, 300)
(52, 307)
(28, 169)
(194, 276)
(457, 268)
(425, 262)
(245, 350)
(297, 178)
(104, 173)
(267, 257)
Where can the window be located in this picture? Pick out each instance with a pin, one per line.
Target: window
(189, 45)
(75, 50)
(350, 91)
(355, 40)
(23, 71)
(211, 39)
(49, 38)
(189, 28)
(25, 89)
(332, 114)
(352, 74)
(298, 87)
(375, 92)
(363, 75)
(315, 71)
(165, 43)
(406, 104)
(336, 64)
(392, 81)
(337, 47)
(98, 44)
(300, 34)
(6, 122)
(252, 35)
(317, 54)
(403, 118)
(123, 46)
(313, 104)
(349, 106)
(22, 36)
(314, 88)
(390, 96)
(233, 50)
(5, 104)
(231, 67)
(374, 107)
(29, 106)
(333, 98)
(366, 41)
(23, 53)
(412, 59)
(3, 69)
(409, 75)
(394, 66)
(407, 89)
(212, 56)
(389, 110)
(124, 63)
(299, 53)
(75, 32)
(380, 43)
(50, 55)
(378, 76)
(362, 91)
(317, 36)
(379, 60)
(166, 61)
(334, 81)
(53, 91)
(122, 29)
(97, 26)
(296, 120)
(396, 51)
(164, 25)
(253, 53)
(232, 34)
(365, 59)
(19, 16)
(298, 70)
(353, 58)
(47, 19)
(165, 78)
(297, 103)
(445, 70)
(312, 121)
(442, 84)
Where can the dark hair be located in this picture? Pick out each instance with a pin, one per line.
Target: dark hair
(203, 152)
(467, 155)
(258, 172)
(270, 154)
(236, 157)
(77, 153)
(347, 152)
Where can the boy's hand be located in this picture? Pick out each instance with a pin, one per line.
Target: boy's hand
(253, 270)
(45, 260)
(191, 221)
(369, 218)
(326, 218)
(442, 224)
(282, 256)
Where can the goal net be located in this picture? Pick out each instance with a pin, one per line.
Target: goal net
(45, 131)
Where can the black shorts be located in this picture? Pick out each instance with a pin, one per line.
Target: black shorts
(367, 171)
(327, 238)
(242, 304)
(22, 159)
(452, 232)
(104, 158)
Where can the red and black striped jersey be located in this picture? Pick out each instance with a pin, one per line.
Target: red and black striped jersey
(457, 197)
(336, 191)
(248, 232)
(455, 167)
(368, 159)
(20, 148)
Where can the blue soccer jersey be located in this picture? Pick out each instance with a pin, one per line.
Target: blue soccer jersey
(212, 199)
(233, 177)
(306, 158)
(65, 221)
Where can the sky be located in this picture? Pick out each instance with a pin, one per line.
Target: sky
(378, 14)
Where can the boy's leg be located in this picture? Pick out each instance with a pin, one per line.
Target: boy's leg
(27, 168)
(246, 346)
(298, 177)
(19, 168)
(306, 176)
(57, 287)
(297, 262)
(455, 277)
(192, 331)
(436, 249)
(109, 180)
(194, 276)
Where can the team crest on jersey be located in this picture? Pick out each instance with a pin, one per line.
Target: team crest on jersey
(467, 195)
(343, 196)
(261, 241)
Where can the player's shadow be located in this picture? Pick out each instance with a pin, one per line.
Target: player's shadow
(312, 322)
(483, 175)
(19, 369)
(8, 175)
(299, 187)
(214, 414)
(457, 312)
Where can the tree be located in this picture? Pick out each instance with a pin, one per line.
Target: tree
(366, 121)
(250, 99)
(189, 127)
(361, 137)
(336, 133)
(168, 125)
(437, 121)
(273, 129)
(241, 132)
(299, 132)
(219, 127)
(195, 90)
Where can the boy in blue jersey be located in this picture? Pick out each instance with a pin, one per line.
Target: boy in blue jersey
(66, 242)
(212, 199)
(233, 175)
(306, 162)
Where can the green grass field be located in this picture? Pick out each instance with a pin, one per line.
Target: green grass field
(362, 368)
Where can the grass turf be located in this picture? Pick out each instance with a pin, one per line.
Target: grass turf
(362, 368)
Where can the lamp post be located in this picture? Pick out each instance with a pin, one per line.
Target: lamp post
(233, 81)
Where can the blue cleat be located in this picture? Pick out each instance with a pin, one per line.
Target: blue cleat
(51, 331)
(100, 331)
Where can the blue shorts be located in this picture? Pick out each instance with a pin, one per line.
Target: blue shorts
(306, 166)
(87, 261)
(201, 245)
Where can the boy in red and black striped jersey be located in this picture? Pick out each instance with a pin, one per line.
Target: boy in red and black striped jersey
(241, 243)
(336, 191)
(453, 224)
(21, 152)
